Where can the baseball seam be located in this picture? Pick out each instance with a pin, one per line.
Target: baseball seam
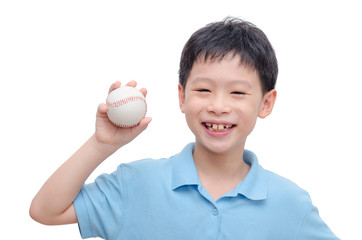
(123, 102)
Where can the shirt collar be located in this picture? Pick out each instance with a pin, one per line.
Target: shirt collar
(184, 170)
(254, 185)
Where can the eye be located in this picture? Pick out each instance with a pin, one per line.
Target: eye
(238, 93)
(202, 90)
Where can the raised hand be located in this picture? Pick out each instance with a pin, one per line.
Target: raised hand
(112, 136)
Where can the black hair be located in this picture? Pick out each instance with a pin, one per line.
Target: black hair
(232, 35)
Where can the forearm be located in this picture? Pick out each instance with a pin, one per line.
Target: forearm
(60, 190)
(53, 204)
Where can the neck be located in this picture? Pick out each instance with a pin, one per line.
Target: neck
(229, 165)
(220, 172)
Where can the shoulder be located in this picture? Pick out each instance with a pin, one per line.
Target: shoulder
(285, 191)
(146, 170)
(146, 165)
(155, 167)
(294, 208)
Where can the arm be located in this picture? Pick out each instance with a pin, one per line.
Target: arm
(53, 204)
(313, 227)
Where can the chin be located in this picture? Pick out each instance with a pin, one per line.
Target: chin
(218, 147)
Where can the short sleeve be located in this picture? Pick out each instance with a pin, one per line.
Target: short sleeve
(313, 227)
(99, 206)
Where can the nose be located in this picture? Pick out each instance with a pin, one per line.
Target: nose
(218, 105)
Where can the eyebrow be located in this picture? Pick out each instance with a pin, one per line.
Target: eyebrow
(236, 81)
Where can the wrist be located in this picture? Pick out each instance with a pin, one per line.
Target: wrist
(102, 148)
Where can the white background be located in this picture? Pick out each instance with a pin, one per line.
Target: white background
(58, 59)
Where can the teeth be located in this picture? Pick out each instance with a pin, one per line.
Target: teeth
(218, 127)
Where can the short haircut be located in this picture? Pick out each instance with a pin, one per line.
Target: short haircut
(235, 36)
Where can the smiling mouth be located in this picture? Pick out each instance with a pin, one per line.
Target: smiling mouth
(218, 127)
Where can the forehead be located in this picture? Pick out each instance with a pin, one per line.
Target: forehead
(229, 70)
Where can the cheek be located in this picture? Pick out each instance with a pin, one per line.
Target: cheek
(248, 115)
(192, 109)
(193, 104)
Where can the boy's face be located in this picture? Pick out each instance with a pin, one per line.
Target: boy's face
(221, 102)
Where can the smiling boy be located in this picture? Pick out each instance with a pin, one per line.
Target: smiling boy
(221, 101)
(214, 188)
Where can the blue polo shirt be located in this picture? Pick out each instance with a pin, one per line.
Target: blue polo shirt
(164, 199)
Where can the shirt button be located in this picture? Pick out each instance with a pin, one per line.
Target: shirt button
(215, 212)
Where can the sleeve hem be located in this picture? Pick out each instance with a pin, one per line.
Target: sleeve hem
(84, 225)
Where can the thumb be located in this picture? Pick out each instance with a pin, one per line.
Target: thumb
(102, 110)
(141, 126)
(144, 123)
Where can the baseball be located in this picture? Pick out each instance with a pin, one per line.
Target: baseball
(126, 106)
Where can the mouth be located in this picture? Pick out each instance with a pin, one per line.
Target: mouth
(216, 127)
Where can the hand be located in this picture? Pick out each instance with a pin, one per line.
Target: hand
(112, 136)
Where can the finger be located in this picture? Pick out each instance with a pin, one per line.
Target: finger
(102, 110)
(144, 124)
(115, 85)
(132, 83)
(143, 91)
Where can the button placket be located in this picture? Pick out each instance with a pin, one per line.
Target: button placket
(215, 212)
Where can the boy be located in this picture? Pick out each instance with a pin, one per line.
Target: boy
(214, 188)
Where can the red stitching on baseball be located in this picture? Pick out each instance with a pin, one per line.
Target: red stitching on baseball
(125, 101)
(124, 125)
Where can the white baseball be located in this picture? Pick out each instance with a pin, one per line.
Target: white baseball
(126, 106)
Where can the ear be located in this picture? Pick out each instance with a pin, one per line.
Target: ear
(181, 98)
(267, 104)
